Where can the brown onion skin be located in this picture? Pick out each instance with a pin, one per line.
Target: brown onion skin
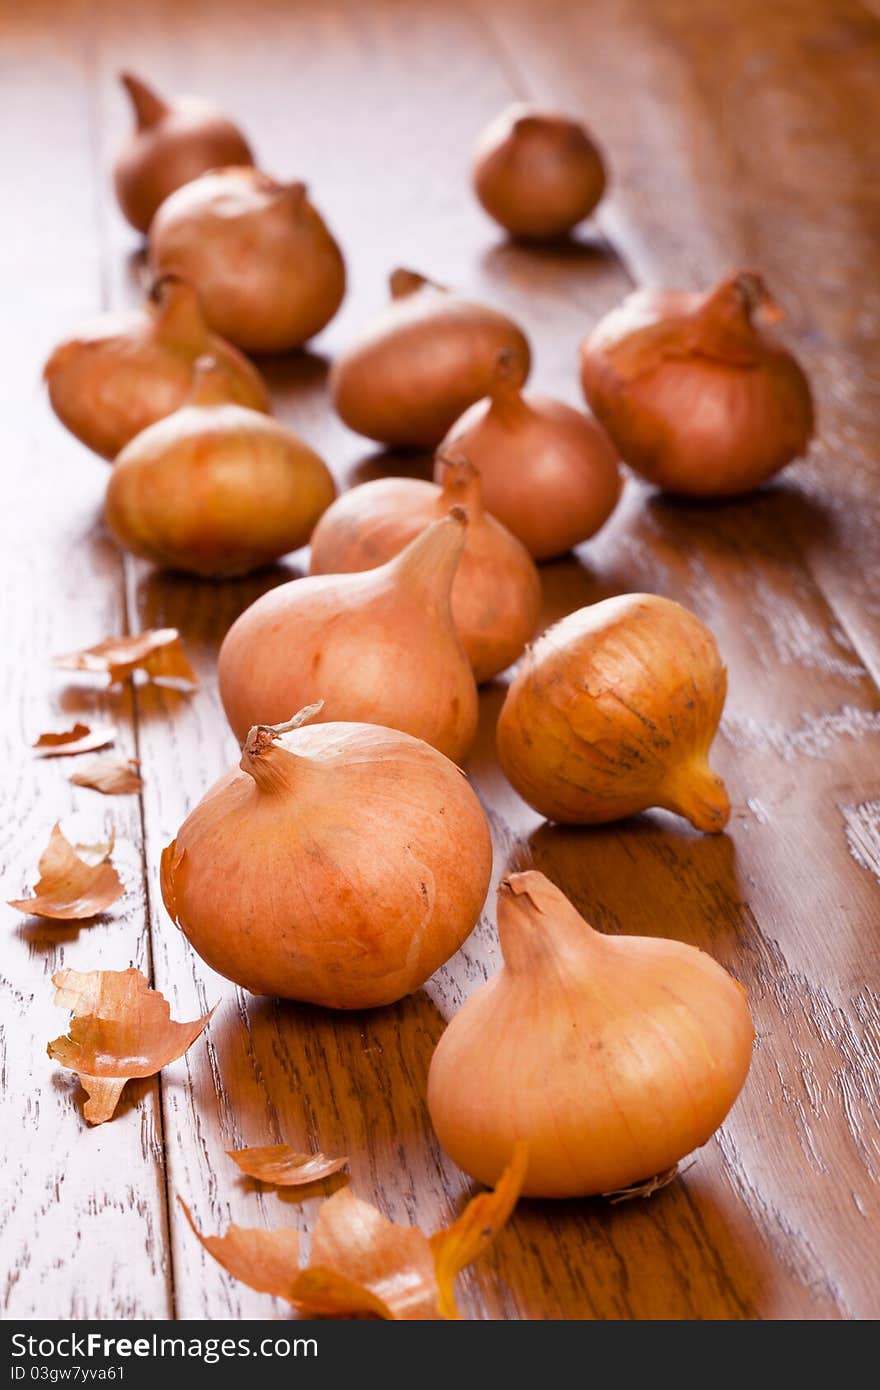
(378, 647)
(343, 875)
(432, 353)
(171, 144)
(697, 398)
(537, 173)
(268, 272)
(612, 711)
(215, 489)
(611, 1057)
(123, 372)
(549, 473)
(496, 594)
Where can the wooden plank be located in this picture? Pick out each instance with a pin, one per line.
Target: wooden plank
(266, 1070)
(775, 1218)
(740, 135)
(678, 93)
(82, 1213)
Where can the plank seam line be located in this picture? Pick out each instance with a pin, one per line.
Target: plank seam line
(148, 918)
(104, 242)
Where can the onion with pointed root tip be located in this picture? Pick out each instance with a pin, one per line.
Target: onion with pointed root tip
(537, 173)
(172, 143)
(379, 647)
(611, 1057)
(695, 394)
(426, 359)
(496, 594)
(340, 864)
(123, 372)
(216, 489)
(268, 272)
(548, 472)
(613, 710)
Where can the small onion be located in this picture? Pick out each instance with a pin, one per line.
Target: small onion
(171, 144)
(496, 596)
(216, 489)
(340, 864)
(268, 272)
(548, 471)
(613, 710)
(537, 173)
(610, 1057)
(124, 372)
(695, 395)
(426, 359)
(378, 647)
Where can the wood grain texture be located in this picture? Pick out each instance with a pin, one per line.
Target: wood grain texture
(745, 135)
(377, 105)
(82, 1213)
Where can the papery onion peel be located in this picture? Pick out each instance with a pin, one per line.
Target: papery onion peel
(121, 1028)
(70, 887)
(112, 776)
(362, 1264)
(80, 738)
(282, 1166)
(158, 652)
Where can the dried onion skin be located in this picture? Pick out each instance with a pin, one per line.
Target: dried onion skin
(537, 173)
(172, 143)
(215, 489)
(125, 371)
(610, 1057)
(697, 396)
(613, 711)
(269, 272)
(378, 647)
(496, 593)
(340, 864)
(548, 472)
(410, 375)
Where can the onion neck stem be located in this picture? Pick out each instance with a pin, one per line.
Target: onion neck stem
(538, 925)
(751, 290)
(272, 766)
(291, 196)
(697, 793)
(461, 485)
(178, 315)
(427, 565)
(723, 324)
(149, 108)
(403, 282)
(210, 384)
(505, 390)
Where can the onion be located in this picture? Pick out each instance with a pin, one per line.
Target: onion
(695, 395)
(426, 359)
(124, 372)
(496, 596)
(611, 1057)
(613, 711)
(537, 173)
(548, 472)
(340, 864)
(378, 648)
(216, 489)
(171, 144)
(268, 272)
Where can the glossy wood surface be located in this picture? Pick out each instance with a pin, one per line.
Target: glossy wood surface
(737, 135)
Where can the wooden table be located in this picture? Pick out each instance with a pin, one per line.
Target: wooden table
(737, 135)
